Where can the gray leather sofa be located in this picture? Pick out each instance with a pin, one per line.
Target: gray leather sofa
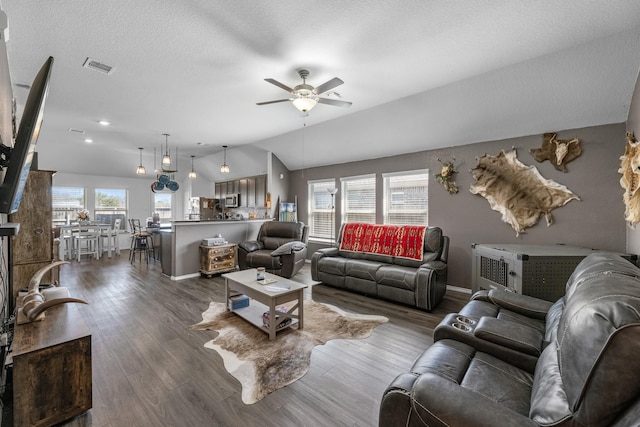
(281, 248)
(420, 283)
(585, 374)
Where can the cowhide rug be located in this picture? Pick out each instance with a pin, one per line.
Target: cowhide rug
(263, 366)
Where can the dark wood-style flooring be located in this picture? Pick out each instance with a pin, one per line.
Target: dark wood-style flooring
(149, 369)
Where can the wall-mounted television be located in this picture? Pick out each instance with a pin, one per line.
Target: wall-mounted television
(17, 159)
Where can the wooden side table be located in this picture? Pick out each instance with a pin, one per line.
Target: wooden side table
(218, 259)
(51, 368)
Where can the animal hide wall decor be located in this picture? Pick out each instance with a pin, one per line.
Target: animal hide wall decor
(517, 191)
(558, 151)
(630, 180)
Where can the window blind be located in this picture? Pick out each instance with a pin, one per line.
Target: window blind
(359, 199)
(320, 209)
(66, 202)
(406, 198)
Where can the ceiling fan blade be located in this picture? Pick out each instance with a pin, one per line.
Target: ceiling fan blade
(280, 85)
(273, 102)
(334, 82)
(334, 102)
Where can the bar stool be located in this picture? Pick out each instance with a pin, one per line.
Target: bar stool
(141, 242)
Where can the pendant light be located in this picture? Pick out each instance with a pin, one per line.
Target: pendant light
(166, 158)
(141, 170)
(167, 164)
(225, 167)
(192, 174)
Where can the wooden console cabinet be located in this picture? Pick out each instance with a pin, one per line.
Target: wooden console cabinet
(32, 247)
(218, 259)
(52, 379)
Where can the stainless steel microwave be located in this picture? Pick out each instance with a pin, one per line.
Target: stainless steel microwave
(232, 200)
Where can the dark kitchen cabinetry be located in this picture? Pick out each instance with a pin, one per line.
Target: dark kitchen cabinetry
(252, 190)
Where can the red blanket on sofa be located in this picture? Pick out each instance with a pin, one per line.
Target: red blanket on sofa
(404, 241)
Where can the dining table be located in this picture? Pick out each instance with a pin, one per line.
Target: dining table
(69, 233)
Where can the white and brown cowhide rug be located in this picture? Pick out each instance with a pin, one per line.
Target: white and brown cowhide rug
(263, 366)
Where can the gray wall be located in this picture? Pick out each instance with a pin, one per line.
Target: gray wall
(597, 221)
(633, 125)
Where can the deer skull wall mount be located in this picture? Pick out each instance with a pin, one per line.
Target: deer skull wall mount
(558, 151)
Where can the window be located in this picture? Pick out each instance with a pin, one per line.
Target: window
(406, 198)
(111, 203)
(359, 199)
(321, 211)
(66, 203)
(162, 205)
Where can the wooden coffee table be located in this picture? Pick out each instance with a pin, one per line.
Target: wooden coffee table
(265, 298)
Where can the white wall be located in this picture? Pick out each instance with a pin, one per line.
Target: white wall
(139, 192)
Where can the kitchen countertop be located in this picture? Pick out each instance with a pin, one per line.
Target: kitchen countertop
(190, 221)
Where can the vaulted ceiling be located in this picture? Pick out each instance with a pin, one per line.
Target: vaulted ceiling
(420, 74)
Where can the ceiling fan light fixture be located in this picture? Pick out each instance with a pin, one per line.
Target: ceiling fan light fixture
(225, 167)
(304, 104)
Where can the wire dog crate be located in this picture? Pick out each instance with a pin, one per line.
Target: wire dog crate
(539, 271)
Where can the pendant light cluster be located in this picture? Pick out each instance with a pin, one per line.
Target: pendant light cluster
(165, 174)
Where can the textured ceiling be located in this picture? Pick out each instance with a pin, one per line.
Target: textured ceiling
(420, 74)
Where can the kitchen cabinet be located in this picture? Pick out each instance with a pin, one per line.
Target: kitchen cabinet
(251, 193)
(261, 190)
(244, 196)
(252, 190)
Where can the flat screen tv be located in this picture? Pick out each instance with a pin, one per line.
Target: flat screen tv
(18, 159)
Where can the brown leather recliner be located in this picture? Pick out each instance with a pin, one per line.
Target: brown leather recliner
(281, 248)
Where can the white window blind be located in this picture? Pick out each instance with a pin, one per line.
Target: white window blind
(320, 209)
(111, 203)
(406, 198)
(66, 202)
(359, 199)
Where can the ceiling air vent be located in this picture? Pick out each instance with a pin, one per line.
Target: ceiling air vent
(74, 130)
(98, 66)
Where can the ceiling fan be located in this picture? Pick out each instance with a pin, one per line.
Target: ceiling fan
(307, 96)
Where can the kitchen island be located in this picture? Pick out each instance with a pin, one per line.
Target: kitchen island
(181, 243)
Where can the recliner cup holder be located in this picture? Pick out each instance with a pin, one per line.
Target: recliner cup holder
(461, 326)
(465, 320)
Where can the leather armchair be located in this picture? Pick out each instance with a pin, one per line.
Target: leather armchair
(281, 248)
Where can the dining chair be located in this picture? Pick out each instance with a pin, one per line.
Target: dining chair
(109, 238)
(66, 243)
(87, 242)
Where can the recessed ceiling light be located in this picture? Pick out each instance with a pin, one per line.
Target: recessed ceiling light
(104, 123)
(88, 140)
